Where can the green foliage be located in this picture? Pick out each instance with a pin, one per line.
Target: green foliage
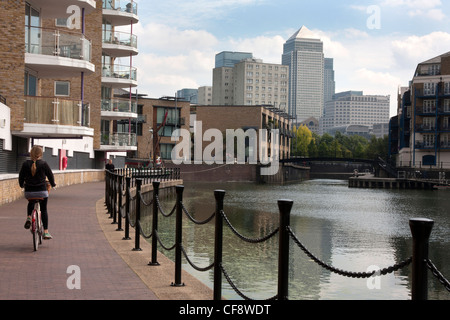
(307, 144)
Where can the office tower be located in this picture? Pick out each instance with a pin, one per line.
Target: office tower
(303, 54)
(229, 58)
(329, 84)
(355, 108)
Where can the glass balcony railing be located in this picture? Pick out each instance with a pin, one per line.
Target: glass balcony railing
(120, 38)
(125, 6)
(119, 139)
(119, 72)
(119, 106)
(56, 111)
(60, 43)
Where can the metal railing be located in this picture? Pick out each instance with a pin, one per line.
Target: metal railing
(119, 72)
(419, 261)
(120, 38)
(56, 111)
(56, 42)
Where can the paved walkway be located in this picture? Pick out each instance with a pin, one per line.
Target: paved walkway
(83, 236)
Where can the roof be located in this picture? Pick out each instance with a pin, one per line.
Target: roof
(436, 59)
(303, 33)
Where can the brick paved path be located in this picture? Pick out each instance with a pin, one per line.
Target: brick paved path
(77, 240)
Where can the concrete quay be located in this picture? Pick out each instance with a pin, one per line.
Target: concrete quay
(370, 181)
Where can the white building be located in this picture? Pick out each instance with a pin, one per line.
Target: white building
(355, 108)
(251, 82)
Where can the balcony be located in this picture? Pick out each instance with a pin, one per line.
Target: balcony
(57, 9)
(55, 53)
(55, 117)
(118, 142)
(119, 44)
(119, 109)
(120, 13)
(425, 128)
(424, 146)
(118, 76)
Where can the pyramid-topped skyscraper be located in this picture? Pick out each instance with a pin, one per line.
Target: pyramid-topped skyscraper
(303, 53)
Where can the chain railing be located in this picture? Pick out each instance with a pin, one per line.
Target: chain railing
(117, 190)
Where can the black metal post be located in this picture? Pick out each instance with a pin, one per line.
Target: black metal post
(138, 216)
(421, 230)
(284, 206)
(154, 261)
(218, 245)
(178, 236)
(127, 208)
(119, 213)
(114, 211)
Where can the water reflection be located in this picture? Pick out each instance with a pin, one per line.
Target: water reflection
(350, 229)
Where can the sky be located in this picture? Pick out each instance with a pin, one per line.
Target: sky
(376, 44)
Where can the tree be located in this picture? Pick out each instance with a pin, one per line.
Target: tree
(303, 138)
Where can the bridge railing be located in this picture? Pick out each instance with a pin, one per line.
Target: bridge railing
(420, 229)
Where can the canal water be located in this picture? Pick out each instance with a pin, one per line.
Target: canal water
(349, 229)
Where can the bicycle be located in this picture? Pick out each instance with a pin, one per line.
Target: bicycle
(36, 228)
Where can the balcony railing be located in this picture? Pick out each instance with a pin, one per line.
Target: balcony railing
(119, 106)
(53, 42)
(423, 145)
(425, 127)
(120, 38)
(125, 6)
(119, 72)
(119, 139)
(56, 111)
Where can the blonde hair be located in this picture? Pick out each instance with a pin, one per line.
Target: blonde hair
(35, 154)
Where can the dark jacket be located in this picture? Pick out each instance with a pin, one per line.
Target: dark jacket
(36, 183)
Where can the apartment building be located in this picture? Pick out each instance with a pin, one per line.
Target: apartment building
(57, 80)
(157, 121)
(251, 82)
(423, 122)
(247, 117)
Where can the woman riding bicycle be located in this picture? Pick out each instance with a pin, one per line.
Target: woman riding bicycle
(33, 176)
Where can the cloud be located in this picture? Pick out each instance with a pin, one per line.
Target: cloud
(429, 9)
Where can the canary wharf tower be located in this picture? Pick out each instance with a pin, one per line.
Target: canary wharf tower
(303, 53)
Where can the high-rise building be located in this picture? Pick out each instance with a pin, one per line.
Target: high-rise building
(230, 58)
(303, 54)
(251, 82)
(329, 84)
(355, 108)
(423, 120)
(59, 72)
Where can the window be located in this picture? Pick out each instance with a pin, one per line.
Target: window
(429, 88)
(62, 88)
(30, 84)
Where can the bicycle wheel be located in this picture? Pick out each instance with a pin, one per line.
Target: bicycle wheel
(34, 229)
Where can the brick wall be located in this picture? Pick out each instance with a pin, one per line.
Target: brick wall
(12, 57)
(10, 190)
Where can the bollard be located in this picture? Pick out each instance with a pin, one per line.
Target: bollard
(138, 216)
(154, 261)
(284, 207)
(127, 209)
(178, 236)
(219, 195)
(119, 214)
(421, 230)
(114, 211)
